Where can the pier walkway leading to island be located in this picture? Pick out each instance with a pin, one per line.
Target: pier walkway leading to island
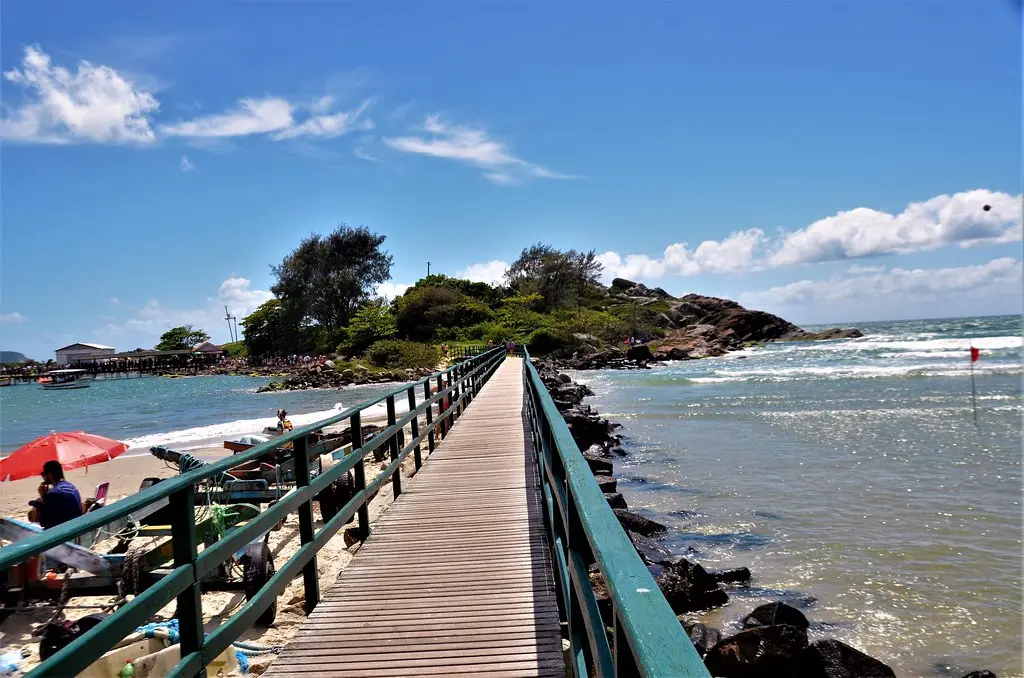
(500, 556)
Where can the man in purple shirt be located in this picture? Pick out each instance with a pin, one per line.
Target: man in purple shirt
(58, 501)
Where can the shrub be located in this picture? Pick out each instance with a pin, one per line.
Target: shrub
(495, 332)
(395, 353)
(236, 349)
(546, 340)
(601, 324)
(371, 323)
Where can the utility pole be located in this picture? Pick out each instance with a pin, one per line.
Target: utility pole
(428, 269)
(232, 333)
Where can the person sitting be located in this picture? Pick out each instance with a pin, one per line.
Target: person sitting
(59, 500)
(282, 422)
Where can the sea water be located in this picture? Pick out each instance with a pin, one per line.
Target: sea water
(850, 477)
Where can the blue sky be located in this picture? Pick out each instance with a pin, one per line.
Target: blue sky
(825, 161)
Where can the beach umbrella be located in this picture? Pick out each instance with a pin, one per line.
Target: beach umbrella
(73, 450)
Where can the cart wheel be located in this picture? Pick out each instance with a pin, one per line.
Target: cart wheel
(59, 635)
(258, 569)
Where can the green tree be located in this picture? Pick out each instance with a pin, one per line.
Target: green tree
(326, 278)
(181, 338)
(562, 279)
(371, 323)
(266, 330)
(422, 311)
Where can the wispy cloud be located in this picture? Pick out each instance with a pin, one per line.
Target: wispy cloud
(186, 165)
(390, 290)
(12, 318)
(93, 104)
(275, 117)
(473, 147)
(960, 219)
(491, 272)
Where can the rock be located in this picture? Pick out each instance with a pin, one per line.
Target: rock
(980, 674)
(770, 614)
(565, 378)
(598, 451)
(834, 333)
(351, 536)
(639, 524)
(702, 637)
(833, 659)
(587, 429)
(598, 465)
(607, 484)
(649, 550)
(738, 575)
(640, 352)
(615, 500)
(617, 451)
(689, 588)
(762, 652)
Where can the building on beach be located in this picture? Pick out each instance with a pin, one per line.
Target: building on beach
(208, 349)
(75, 352)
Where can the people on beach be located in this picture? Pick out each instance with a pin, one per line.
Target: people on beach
(510, 347)
(59, 500)
(490, 343)
(282, 421)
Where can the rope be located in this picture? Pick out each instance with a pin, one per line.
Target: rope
(244, 651)
(62, 601)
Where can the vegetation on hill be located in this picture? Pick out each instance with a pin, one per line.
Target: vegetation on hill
(181, 338)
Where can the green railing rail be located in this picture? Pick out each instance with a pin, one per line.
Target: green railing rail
(647, 639)
(463, 352)
(457, 385)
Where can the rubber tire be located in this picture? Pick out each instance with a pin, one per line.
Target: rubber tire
(258, 568)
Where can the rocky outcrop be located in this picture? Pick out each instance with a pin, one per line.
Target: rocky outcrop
(771, 614)
(689, 588)
(324, 376)
(761, 652)
(830, 658)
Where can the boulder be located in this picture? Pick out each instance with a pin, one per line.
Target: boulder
(737, 575)
(638, 524)
(980, 674)
(761, 652)
(703, 637)
(649, 550)
(607, 484)
(770, 614)
(689, 588)
(598, 465)
(640, 352)
(833, 659)
(615, 500)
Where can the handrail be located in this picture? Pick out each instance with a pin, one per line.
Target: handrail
(648, 640)
(456, 388)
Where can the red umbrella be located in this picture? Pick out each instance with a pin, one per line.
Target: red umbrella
(73, 450)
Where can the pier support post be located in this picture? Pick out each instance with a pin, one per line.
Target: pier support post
(310, 579)
(429, 414)
(396, 477)
(415, 428)
(360, 475)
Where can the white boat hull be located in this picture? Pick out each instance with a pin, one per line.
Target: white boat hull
(65, 386)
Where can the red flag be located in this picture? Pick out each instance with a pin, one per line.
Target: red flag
(975, 354)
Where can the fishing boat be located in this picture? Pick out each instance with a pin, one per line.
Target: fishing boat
(6, 381)
(57, 380)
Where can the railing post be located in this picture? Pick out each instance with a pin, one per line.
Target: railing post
(443, 426)
(415, 428)
(396, 477)
(310, 579)
(184, 545)
(456, 400)
(360, 474)
(429, 414)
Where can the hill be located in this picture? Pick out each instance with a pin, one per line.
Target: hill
(7, 357)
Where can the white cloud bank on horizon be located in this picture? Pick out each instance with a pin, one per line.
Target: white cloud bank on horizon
(97, 104)
(875, 292)
(472, 147)
(958, 219)
(154, 318)
(492, 272)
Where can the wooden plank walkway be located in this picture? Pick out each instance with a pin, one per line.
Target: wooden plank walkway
(455, 579)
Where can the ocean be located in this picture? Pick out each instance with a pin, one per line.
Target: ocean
(851, 479)
(848, 475)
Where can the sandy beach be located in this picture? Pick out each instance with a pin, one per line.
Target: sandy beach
(125, 475)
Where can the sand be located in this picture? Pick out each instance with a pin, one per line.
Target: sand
(125, 474)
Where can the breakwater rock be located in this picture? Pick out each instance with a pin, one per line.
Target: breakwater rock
(773, 640)
(325, 376)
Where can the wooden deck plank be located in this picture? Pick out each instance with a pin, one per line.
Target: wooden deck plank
(455, 579)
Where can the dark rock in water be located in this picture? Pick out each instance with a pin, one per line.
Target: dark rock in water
(639, 524)
(761, 652)
(587, 429)
(607, 484)
(770, 614)
(598, 465)
(615, 500)
(641, 352)
(832, 659)
(834, 333)
(702, 637)
(597, 451)
(980, 674)
(650, 551)
(738, 575)
(689, 588)
(616, 450)
(564, 378)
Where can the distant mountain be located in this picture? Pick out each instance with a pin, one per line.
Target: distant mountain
(12, 357)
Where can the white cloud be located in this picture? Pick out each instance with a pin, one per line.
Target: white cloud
(491, 272)
(154, 317)
(868, 289)
(944, 220)
(473, 147)
(93, 104)
(12, 318)
(186, 165)
(115, 301)
(390, 290)
(862, 232)
(274, 116)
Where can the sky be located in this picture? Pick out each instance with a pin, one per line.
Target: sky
(826, 161)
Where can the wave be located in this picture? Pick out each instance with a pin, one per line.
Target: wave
(850, 372)
(213, 434)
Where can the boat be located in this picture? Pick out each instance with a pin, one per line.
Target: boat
(57, 380)
(6, 381)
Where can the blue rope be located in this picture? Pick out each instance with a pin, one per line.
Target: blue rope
(243, 650)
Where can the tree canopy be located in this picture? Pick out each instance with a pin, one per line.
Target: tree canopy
(562, 279)
(326, 278)
(181, 338)
(266, 330)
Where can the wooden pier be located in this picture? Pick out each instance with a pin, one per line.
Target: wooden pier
(456, 578)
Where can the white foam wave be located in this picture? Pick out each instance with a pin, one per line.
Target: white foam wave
(851, 372)
(201, 436)
(904, 345)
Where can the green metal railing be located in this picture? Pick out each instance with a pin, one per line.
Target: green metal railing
(647, 639)
(456, 388)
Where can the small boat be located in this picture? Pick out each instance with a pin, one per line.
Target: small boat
(6, 381)
(65, 379)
